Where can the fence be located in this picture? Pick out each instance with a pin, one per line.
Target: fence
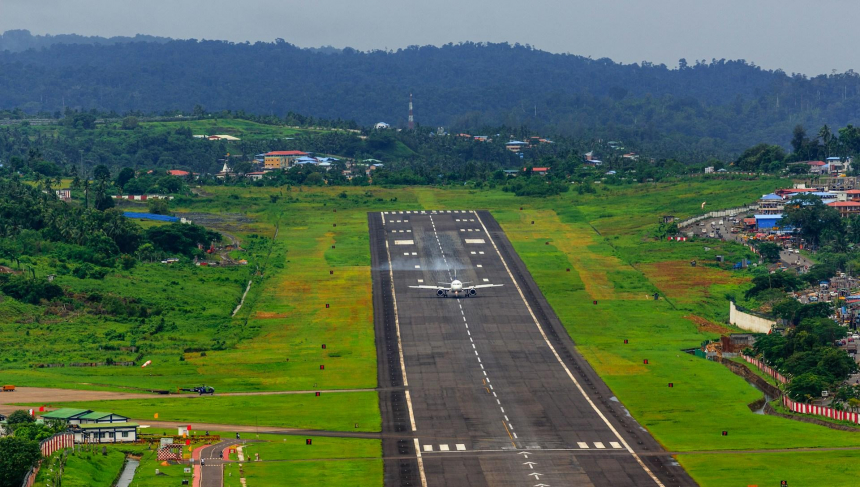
(799, 407)
(767, 370)
(48, 447)
(717, 213)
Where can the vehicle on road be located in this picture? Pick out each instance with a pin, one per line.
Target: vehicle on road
(9, 388)
(457, 288)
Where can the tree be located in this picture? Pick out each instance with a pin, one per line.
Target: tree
(19, 417)
(812, 217)
(159, 207)
(805, 387)
(760, 157)
(101, 173)
(129, 123)
(124, 176)
(17, 456)
(799, 141)
(769, 251)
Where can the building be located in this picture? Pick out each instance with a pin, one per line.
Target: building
(846, 208)
(64, 195)
(228, 138)
(178, 172)
(838, 165)
(100, 417)
(382, 126)
(766, 223)
(538, 170)
(255, 176)
(67, 415)
(771, 204)
(516, 145)
(632, 156)
(709, 170)
(282, 159)
(105, 432)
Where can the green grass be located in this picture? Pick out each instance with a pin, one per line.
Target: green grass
(85, 469)
(285, 315)
(335, 411)
(830, 468)
(289, 461)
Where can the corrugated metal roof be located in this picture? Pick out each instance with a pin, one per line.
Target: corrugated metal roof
(88, 426)
(65, 413)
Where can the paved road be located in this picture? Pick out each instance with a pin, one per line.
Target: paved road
(212, 473)
(493, 394)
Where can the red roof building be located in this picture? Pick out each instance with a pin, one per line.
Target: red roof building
(539, 170)
(177, 172)
(846, 208)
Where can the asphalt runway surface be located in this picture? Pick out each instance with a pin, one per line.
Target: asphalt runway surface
(212, 471)
(489, 390)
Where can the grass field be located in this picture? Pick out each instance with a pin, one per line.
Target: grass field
(335, 461)
(605, 238)
(336, 411)
(84, 469)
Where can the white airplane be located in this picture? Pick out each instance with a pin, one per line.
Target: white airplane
(458, 288)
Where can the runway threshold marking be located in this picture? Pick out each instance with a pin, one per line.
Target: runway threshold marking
(561, 362)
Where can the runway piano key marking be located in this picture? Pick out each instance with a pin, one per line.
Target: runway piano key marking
(582, 445)
(615, 444)
(599, 445)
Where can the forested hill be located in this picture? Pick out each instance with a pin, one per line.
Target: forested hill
(708, 108)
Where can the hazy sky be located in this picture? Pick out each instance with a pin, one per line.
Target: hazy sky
(809, 37)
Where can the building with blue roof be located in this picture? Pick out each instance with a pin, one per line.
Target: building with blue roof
(771, 204)
(768, 223)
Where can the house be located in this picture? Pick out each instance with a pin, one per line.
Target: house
(282, 159)
(516, 145)
(225, 171)
(538, 170)
(255, 176)
(64, 195)
(838, 165)
(101, 417)
(67, 415)
(846, 208)
(178, 172)
(105, 432)
(709, 170)
(771, 204)
(589, 155)
(631, 156)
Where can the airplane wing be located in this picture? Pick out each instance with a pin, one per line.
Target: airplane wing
(479, 286)
(431, 287)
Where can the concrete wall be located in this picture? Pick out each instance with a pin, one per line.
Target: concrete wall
(748, 322)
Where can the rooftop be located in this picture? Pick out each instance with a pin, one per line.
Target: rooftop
(771, 196)
(843, 204)
(87, 426)
(286, 153)
(98, 415)
(65, 413)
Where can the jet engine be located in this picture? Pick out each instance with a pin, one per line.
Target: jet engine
(440, 293)
(473, 292)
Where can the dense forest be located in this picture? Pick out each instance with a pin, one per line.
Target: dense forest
(700, 110)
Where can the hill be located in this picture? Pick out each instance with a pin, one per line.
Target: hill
(703, 108)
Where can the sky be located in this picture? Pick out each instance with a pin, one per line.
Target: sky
(792, 35)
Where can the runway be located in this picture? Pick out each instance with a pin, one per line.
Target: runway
(489, 390)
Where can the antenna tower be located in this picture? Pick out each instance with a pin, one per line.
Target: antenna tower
(411, 119)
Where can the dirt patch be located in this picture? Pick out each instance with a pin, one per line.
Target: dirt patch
(681, 281)
(268, 315)
(706, 326)
(48, 396)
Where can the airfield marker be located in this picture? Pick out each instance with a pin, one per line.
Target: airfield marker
(317, 394)
(308, 441)
(323, 346)
(322, 367)
(671, 384)
(625, 341)
(645, 361)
